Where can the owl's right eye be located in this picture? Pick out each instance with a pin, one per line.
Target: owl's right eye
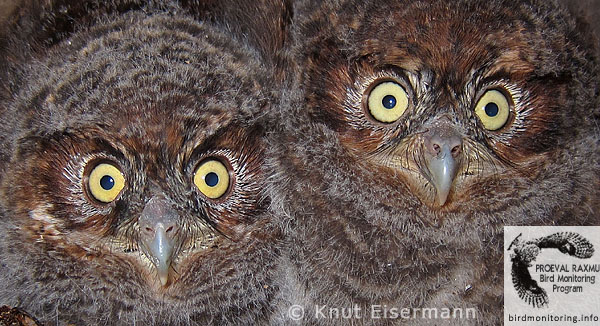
(212, 178)
(387, 102)
(105, 182)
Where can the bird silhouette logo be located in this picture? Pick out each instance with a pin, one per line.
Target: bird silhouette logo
(525, 252)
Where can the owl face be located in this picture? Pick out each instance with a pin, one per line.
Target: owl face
(453, 103)
(136, 174)
(163, 207)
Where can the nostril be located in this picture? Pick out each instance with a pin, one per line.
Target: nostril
(455, 150)
(436, 148)
(149, 229)
(169, 229)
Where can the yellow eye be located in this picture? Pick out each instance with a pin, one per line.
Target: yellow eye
(493, 109)
(105, 182)
(212, 178)
(387, 102)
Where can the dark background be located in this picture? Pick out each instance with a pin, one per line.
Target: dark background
(590, 9)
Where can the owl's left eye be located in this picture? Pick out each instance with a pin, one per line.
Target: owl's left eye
(212, 178)
(493, 109)
(105, 182)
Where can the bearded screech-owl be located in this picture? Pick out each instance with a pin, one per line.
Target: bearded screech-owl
(132, 168)
(412, 133)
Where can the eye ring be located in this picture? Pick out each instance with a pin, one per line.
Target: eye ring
(105, 182)
(494, 109)
(386, 101)
(212, 178)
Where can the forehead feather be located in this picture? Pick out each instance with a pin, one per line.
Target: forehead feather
(143, 79)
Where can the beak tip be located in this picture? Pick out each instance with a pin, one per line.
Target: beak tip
(162, 269)
(164, 279)
(441, 198)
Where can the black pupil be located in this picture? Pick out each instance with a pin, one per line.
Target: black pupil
(389, 101)
(107, 182)
(491, 109)
(211, 179)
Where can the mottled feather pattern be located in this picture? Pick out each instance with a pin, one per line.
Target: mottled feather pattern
(154, 93)
(371, 220)
(222, 162)
(16, 317)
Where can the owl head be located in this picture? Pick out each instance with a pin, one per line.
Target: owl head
(415, 131)
(463, 108)
(133, 188)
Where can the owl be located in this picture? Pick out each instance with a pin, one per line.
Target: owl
(410, 134)
(132, 179)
